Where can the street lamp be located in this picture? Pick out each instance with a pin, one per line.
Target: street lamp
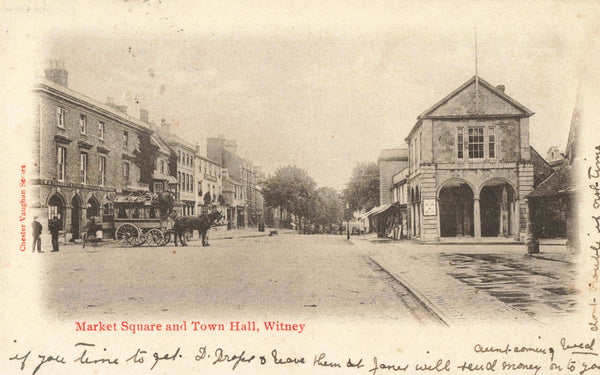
(347, 221)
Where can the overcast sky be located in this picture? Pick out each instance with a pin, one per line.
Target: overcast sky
(332, 88)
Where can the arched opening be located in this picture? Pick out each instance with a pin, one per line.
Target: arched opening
(412, 212)
(497, 203)
(93, 208)
(456, 210)
(75, 216)
(56, 208)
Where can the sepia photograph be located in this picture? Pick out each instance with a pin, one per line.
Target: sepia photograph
(349, 171)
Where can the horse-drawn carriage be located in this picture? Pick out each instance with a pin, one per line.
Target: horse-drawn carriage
(151, 219)
(143, 219)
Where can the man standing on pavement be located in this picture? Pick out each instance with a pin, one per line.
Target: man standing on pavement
(37, 232)
(54, 227)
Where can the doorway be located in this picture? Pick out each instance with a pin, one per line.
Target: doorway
(75, 217)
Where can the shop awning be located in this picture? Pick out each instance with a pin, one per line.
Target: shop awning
(378, 210)
(385, 209)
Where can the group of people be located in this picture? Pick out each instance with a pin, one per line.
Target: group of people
(53, 226)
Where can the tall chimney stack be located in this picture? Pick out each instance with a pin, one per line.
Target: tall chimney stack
(144, 115)
(55, 72)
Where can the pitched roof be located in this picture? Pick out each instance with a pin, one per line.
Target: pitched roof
(174, 139)
(560, 182)
(480, 81)
(541, 168)
(463, 103)
(78, 98)
(160, 138)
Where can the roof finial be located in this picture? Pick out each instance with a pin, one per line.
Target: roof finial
(476, 75)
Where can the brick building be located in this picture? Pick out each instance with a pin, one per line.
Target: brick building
(85, 153)
(470, 166)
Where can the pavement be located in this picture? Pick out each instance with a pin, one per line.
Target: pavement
(495, 282)
(215, 233)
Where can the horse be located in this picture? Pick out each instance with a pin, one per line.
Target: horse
(166, 200)
(201, 223)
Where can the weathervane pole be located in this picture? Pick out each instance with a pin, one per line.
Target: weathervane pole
(476, 75)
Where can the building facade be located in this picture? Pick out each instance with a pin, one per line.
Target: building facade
(240, 183)
(186, 158)
(209, 184)
(470, 166)
(86, 152)
(253, 195)
(390, 161)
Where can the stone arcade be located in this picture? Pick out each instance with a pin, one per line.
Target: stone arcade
(470, 166)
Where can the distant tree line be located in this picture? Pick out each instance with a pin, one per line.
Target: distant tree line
(293, 189)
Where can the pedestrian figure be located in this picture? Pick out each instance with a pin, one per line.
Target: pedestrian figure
(89, 231)
(54, 227)
(37, 232)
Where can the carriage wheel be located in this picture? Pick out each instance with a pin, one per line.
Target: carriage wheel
(127, 235)
(154, 237)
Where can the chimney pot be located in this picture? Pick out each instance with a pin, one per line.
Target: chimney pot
(55, 71)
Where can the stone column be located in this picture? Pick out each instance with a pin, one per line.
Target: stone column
(437, 214)
(418, 215)
(67, 227)
(476, 218)
(516, 211)
(501, 218)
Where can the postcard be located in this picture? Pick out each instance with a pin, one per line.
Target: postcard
(306, 188)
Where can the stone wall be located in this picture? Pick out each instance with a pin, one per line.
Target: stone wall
(507, 132)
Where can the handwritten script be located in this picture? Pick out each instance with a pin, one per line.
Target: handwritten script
(566, 356)
(593, 175)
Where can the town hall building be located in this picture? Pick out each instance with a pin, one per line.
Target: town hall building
(470, 166)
